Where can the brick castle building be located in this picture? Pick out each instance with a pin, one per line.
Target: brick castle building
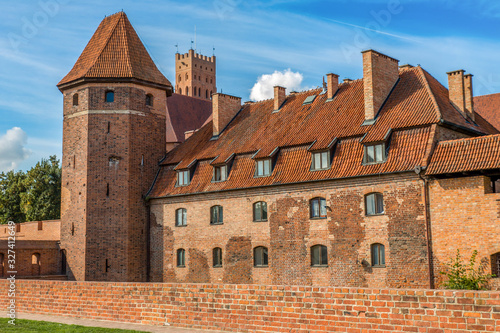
(374, 182)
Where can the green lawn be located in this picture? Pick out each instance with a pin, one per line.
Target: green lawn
(43, 326)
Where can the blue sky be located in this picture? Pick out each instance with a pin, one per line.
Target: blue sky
(41, 40)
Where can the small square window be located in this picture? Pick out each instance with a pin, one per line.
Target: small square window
(374, 154)
(183, 178)
(317, 207)
(110, 96)
(263, 168)
(320, 160)
(220, 173)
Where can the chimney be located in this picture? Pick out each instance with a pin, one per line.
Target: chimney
(469, 96)
(380, 74)
(332, 85)
(224, 108)
(279, 97)
(456, 89)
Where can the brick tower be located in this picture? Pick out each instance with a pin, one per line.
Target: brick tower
(195, 75)
(113, 137)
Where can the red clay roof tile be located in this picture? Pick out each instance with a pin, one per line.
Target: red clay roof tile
(488, 106)
(115, 51)
(465, 155)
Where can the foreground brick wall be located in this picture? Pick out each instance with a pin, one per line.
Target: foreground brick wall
(258, 308)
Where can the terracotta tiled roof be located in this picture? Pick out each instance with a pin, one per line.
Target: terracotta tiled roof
(115, 51)
(488, 106)
(184, 114)
(465, 155)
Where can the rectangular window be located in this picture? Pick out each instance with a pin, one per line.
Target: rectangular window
(220, 173)
(321, 160)
(183, 178)
(374, 154)
(263, 168)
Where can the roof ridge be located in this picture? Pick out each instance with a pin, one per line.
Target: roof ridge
(483, 137)
(106, 43)
(127, 48)
(431, 93)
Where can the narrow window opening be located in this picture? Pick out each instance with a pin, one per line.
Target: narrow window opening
(2, 264)
(180, 91)
(74, 161)
(181, 258)
(206, 94)
(374, 204)
(108, 266)
(40, 225)
(181, 217)
(217, 257)
(495, 265)
(35, 264)
(107, 189)
(199, 92)
(18, 227)
(317, 208)
(109, 127)
(149, 100)
(110, 96)
(75, 99)
(260, 211)
(260, 256)
(378, 255)
(319, 255)
(216, 215)
(72, 228)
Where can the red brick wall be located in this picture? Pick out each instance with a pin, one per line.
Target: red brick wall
(224, 108)
(250, 308)
(289, 234)
(465, 215)
(98, 224)
(49, 263)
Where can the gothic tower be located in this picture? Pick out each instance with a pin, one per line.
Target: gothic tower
(195, 75)
(113, 137)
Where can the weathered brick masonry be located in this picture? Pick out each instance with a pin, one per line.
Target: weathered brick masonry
(290, 233)
(262, 308)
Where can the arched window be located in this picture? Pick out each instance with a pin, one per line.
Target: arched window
(187, 91)
(181, 217)
(1, 264)
(374, 203)
(63, 262)
(149, 100)
(260, 211)
(210, 93)
(317, 208)
(260, 257)
(319, 255)
(206, 93)
(180, 78)
(216, 215)
(181, 258)
(180, 91)
(495, 265)
(187, 76)
(35, 264)
(194, 91)
(199, 92)
(378, 255)
(217, 257)
(110, 96)
(75, 99)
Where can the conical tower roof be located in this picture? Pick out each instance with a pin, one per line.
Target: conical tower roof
(115, 52)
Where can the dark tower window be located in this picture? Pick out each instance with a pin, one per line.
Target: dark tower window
(149, 100)
(180, 78)
(180, 91)
(199, 92)
(206, 94)
(217, 257)
(75, 99)
(194, 91)
(35, 264)
(110, 96)
(181, 258)
(187, 91)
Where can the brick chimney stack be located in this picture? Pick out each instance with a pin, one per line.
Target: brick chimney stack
(279, 97)
(224, 108)
(469, 96)
(332, 85)
(460, 91)
(380, 74)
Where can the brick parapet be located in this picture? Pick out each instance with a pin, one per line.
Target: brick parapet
(263, 308)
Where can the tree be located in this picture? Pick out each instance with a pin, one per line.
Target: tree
(12, 184)
(42, 197)
(31, 196)
(466, 276)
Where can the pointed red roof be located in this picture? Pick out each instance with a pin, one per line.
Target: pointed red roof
(115, 51)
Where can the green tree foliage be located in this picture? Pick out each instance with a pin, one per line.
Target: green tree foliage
(466, 276)
(31, 196)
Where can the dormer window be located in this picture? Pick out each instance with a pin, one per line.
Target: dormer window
(320, 160)
(220, 173)
(374, 154)
(183, 177)
(110, 96)
(263, 167)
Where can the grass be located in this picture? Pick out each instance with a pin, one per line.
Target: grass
(28, 326)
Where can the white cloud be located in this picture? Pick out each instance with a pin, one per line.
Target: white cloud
(12, 150)
(264, 87)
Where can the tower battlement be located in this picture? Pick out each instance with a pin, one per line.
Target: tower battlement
(195, 75)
